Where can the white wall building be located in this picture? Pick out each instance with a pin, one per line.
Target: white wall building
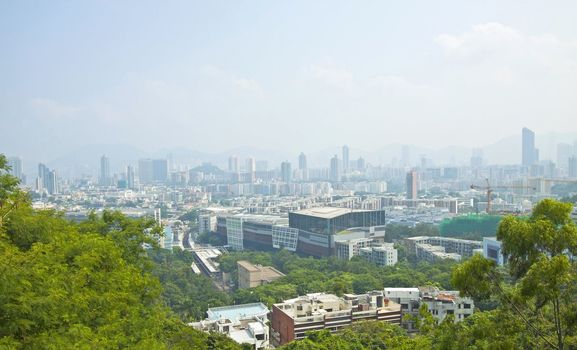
(383, 255)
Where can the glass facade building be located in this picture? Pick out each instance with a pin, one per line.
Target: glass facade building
(330, 221)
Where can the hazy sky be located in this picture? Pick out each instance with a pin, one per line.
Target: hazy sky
(287, 75)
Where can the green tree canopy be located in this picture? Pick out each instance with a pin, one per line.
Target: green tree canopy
(542, 292)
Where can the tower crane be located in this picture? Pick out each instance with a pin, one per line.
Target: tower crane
(490, 189)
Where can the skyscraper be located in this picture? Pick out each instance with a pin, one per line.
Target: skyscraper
(15, 164)
(251, 169)
(345, 159)
(573, 166)
(153, 170)
(160, 170)
(104, 179)
(145, 171)
(302, 161)
(286, 172)
(42, 179)
(530, 155)
(130, 177)
(412, 182)
(52, 184)
(233, 164)
(233, 168)
(335, 172)
(304, 172)
(564, 151)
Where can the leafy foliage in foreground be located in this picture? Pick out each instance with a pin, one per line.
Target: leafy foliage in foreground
(82, 286)
(542, 290)
(187, 294)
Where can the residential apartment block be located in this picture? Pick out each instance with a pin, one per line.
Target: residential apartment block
(291, 319)
(434, 248)
(383, 255)
(444, 303)
(439, 303)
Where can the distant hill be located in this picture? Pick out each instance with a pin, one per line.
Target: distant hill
(208, 168)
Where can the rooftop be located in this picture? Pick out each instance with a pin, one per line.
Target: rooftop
(237, 312)
(326, 212)
(265, 219)
(242, 336)
(247, 265)
(413, 289)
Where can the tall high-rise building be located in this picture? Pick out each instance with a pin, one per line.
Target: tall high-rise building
(412, 182)
(573, 166)
(104, 179)
(302, 161)
(251, 169)
(233, 164)
(15, 164)
(52, 183)
(345, 159)
(286, 171)
(43, 177)
(564, 151)
(335, 171)
(530, 155)
(233, 168)
(303, 169)
(145, 171)
(130, 177)
(160, 170)
(153, 171)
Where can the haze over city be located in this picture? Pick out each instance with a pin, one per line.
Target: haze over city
(261, 175)
(285, 77)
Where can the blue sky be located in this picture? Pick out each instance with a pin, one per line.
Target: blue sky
(291, 75)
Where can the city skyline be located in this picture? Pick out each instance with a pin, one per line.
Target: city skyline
(551, 146)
